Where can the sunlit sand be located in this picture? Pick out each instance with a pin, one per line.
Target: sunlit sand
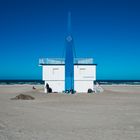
(111, 115)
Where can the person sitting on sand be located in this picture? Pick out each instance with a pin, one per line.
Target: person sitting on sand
(48, 89)
(33, 88)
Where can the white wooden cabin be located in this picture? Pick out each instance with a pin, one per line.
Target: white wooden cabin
(53, 73)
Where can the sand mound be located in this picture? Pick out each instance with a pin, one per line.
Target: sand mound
(23, 97)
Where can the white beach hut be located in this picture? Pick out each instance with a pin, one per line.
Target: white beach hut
(53, 73)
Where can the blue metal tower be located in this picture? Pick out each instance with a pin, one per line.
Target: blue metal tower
(69, 59)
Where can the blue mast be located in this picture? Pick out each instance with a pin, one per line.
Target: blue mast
(69, 59)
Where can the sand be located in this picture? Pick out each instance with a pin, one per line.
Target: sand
(111, 115)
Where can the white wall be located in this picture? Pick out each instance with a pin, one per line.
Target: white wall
(54, 75)
(83, 86)
(53, 72)
(57, 86)
(84, 75)
(85, 72)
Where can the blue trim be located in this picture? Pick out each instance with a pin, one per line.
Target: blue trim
(64, 64)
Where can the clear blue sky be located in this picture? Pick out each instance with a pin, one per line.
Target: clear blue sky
(107, 30)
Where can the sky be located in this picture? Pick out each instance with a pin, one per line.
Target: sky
(107, 30)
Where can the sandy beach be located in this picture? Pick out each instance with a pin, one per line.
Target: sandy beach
(111, 115)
